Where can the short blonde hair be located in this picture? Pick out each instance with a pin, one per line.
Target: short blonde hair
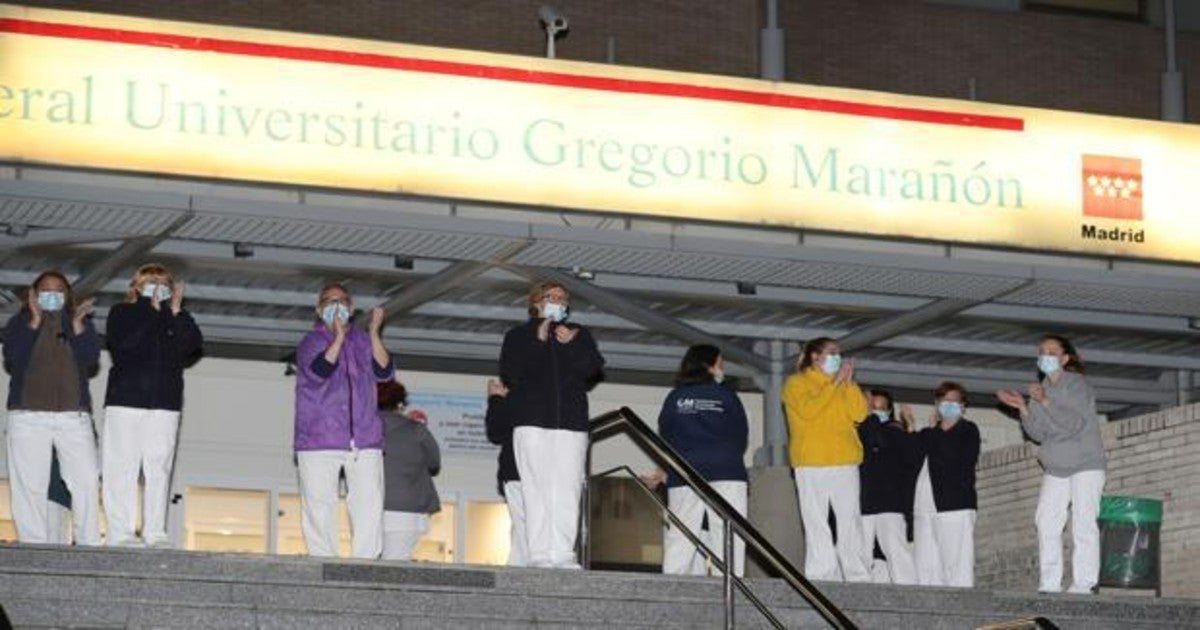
(538, 291)
(144, 273)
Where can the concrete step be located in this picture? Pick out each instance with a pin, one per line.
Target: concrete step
(91, 587)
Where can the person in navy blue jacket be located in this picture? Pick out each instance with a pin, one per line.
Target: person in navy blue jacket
(705, 422)
(499, 423)
(51, 350)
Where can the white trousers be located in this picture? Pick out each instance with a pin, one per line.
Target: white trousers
(680, 556)
(954, 532)
(138, 440)
(401, 533)
(32, 437)
(518, 550)
(925, 549)
(551, 465)
(58, 523)
(364, 500)
(820, 487)
(889, 529)
(1082, 492)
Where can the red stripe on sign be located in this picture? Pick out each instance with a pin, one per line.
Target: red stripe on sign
(512, 75)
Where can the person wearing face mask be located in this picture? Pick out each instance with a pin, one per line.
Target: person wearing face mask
(338, 428)
(51, 350)
(887, 478)
(951, 448)
(704, 421)
(1060, 416)
(548, 366)
(824, 407)
(151, 339)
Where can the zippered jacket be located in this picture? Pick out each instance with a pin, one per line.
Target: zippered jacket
(706, 424)
(548, 381)
(149, 350)
(336, 402)
(18, 346)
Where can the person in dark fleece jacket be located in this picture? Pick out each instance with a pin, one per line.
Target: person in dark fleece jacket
(499, 431)
(887, 477)
(548, 366)
(151, 339)
(705, 422)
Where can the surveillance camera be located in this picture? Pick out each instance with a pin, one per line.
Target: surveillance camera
(553, 19)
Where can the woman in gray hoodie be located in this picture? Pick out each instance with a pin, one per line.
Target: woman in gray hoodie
(1060, 415)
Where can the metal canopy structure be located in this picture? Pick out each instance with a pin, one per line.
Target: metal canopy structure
(453, 277)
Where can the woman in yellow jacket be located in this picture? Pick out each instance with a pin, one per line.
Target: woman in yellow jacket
(824, 406)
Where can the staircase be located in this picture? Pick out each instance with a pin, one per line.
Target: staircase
(56, 587)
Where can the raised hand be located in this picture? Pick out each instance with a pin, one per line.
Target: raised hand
(1037, 392)
(376, 321)
(340, 327)
(82, 311)
(176, 297)
(1012, 398)
(35, 309)
(565, 334)
(496, 388)
(908, 417)
(543, 331)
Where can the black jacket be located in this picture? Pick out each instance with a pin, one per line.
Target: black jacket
(952, 457)
(19, 339)
(548, 381)
(499, 431)
(149, 351)
(891, 462)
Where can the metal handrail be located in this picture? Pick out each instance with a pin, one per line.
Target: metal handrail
(695, 540)
(613, 422)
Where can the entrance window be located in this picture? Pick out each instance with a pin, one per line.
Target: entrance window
(290, 537)
(8, 529)
(220, 519)
(437, 545)
(487, 528)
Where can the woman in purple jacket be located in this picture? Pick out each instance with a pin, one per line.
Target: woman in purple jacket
(338, 428)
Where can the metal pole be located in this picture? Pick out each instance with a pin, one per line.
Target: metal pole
(771, 57)
(1173, 108)
(729, 564)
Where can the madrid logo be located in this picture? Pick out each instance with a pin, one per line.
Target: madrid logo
(1112, 189)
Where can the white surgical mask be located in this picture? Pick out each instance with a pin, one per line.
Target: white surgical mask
(1048, 364)
(950, 410)
(335, 310)
(164, 291)
(554, 312)
(51, 300)
(883, 415)
(831, 364)
(718, 377)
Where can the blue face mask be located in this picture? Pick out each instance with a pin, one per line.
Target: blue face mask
(51, 300)
(950, 410)
(883, 415)
(1048, 364)
(554, 312)
(831, 364)
(335, 310)
(164, 291)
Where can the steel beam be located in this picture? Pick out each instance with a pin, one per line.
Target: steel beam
(447, 279)
(99, 274)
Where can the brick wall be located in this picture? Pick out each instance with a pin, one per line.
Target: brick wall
(1070, 62)
(1154, 456)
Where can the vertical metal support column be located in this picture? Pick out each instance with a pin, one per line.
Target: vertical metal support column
(1183, 387)
(1173, 107)
(775, 433)
(771, 56)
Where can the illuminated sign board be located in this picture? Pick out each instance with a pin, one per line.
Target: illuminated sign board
(119, 93)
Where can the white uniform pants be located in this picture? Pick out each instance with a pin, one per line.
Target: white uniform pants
(518, 550)
(401, 533)
(889, 529)
(32, 436)
(551, 465)
(925, 548)
(955, 535)
(1082, 492)
(364, 500)
(818, 488)
(58, 523)
(680, 556)
(138, 440)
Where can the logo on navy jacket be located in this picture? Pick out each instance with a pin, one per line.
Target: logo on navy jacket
(698, 405)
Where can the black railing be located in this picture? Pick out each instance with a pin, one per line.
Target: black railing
(626, 420)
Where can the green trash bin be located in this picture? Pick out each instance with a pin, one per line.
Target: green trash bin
(1129, 543)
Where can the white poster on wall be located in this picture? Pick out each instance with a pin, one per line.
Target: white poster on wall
(456, 421)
